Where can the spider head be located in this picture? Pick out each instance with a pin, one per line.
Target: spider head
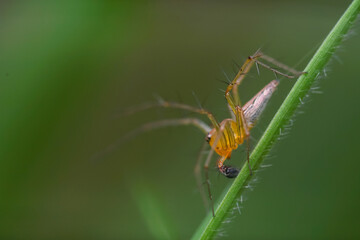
(228, 171)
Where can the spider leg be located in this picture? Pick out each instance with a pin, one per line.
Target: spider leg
(197, 174)
(233, 117)
(246, 129)
(176, 105)
(206, 168)
(151, 126)
(202, 111)
(242, 126)
(245, 68)
(273, 70)
(281, 65)
(207, 181)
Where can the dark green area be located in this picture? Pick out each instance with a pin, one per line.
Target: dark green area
(68, 70)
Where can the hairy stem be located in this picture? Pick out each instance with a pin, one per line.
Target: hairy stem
(210, 225)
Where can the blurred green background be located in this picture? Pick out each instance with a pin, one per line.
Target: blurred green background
(68, 69)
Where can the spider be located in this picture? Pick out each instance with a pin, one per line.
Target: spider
(225, 136)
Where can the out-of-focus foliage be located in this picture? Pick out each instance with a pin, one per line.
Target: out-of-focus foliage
(67, 71)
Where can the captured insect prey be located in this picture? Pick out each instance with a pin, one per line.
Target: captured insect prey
(225, 136)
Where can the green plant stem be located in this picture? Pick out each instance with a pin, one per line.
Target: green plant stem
(210, 225)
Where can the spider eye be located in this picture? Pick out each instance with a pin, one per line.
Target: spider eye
(208, 137)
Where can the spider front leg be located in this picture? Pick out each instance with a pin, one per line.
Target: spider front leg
(245, 68)
(243, 130)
